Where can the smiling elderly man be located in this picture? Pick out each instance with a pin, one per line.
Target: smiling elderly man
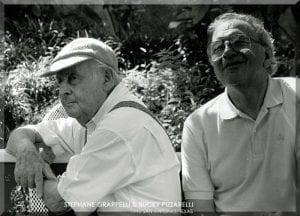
(120, 153)
(239, 149)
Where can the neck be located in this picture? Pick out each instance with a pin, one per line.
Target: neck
(249, 99)
(83, 121)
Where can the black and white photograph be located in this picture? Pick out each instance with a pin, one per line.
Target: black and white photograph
(136, 107)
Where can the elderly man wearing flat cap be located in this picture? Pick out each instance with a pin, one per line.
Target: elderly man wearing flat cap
(120, 152)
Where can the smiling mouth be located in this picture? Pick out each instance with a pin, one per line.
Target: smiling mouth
(233, 64)
(68, 103)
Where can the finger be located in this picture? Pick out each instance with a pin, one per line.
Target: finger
(31, 182)
(39, 184)
(17, 173)
(24, 182)
(48, 172)
(17, 177)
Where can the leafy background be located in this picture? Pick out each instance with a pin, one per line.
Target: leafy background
(161, 51)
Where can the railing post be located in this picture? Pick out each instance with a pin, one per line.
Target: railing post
(2, 192)
(7, 182)
(2, 75)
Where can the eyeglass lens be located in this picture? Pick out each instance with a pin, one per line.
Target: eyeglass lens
(236, 42)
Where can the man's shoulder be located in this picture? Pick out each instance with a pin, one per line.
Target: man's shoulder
(126, 118)
(287, 82)
(124, 111)
(290, 87)
(210, 108)
(141, 133)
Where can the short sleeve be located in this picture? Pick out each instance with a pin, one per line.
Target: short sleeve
(104, 166)
(195, 166)
(58, 134)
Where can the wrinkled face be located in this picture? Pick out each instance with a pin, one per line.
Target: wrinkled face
(236, 63)
(82, 90)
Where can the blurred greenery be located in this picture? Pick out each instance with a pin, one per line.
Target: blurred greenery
(161, 52)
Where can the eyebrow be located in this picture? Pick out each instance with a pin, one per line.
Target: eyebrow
(64, 73)
(231, 36)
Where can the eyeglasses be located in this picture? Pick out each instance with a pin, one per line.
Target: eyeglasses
(236, 43)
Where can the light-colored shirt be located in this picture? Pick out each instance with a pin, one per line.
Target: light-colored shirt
(124, 161)
(240, 163)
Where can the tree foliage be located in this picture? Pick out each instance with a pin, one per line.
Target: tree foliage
(161, 51)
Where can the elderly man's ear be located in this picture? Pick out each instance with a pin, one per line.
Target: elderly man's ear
(110, 80)
(268, 61)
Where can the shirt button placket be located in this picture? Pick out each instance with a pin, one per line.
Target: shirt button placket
(257, 144)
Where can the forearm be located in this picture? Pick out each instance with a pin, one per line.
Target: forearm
(29, 165)
(52, 198)
(202, 205)
(28, 139)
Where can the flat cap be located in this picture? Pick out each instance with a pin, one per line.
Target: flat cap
(80, 50)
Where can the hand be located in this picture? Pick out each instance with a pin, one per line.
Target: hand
(46, 153)
(29, 168)
(52, 198)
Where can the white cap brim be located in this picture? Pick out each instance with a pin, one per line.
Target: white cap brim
(62, 64)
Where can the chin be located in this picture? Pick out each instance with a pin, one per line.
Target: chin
(236, 69)
(72, 113)
(237, 83)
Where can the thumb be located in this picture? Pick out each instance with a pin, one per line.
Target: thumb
(48, 172)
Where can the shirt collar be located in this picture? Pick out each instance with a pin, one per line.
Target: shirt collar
(272, 98)
(274, 95)
(226, 108)
(119, 93)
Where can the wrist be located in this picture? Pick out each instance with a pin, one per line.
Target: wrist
(25, 146)
(29, 152)
(67, 209)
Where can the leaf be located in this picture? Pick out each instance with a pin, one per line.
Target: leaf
(174, 24)
(287, 21)
(198, 12)
(143, 49)
(174, 100)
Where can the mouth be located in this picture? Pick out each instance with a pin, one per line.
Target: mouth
(233, 64)
(68, 103)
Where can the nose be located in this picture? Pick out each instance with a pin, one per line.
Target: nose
(228, 50)
(64, 89)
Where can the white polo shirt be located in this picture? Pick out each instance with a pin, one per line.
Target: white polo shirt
(126, 164)
(241, 163)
